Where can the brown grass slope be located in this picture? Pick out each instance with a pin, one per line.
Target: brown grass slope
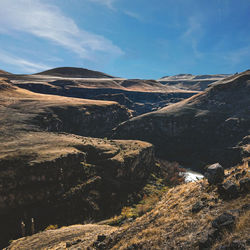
(209, 127)
(25, 110)
(172, 224)
(74, 72)
(3, 72)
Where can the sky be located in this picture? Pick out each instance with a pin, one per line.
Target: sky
(145, 39)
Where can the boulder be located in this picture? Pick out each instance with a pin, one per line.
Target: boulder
(224, 221)
(228, 190)
(236, 244)
(208, 239)
(197, 207)
(101, 237)
(245, 185)
(215, 174)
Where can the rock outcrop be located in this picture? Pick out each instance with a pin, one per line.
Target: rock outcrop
(206, 128)
(215, 174)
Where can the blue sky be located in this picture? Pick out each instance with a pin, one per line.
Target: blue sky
(127, 38)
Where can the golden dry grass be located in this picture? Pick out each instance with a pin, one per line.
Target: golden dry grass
(172, 224)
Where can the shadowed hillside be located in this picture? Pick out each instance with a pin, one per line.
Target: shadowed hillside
(205, 128)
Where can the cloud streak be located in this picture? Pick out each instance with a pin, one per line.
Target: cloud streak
(23, 64)
(48, 22)
(193, 34)
(107, 3)
(133, 15)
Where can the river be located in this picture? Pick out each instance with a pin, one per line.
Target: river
(191, 175)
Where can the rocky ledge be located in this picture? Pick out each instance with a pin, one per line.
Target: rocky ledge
(64, 179)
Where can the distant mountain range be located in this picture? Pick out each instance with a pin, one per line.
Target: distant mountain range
(191, 82)
(140, 96)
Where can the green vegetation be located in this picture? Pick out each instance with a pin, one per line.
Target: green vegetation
(166, 175)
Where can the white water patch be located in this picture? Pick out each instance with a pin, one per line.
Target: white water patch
(191, 175)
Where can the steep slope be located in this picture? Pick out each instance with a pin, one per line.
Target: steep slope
(59, 178)
(205, 128)
(191, 82)
(74, 72)
(189, 216)
(64, 179)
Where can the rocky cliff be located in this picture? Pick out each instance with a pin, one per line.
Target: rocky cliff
(64, 179)
(60, 178)
(208, 127)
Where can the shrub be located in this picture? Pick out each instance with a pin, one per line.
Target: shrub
(51, 227)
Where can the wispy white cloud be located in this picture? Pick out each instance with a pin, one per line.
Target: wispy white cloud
(193, 33)
(22, 64)
(48, 22)
(107, 3)
(133, 15)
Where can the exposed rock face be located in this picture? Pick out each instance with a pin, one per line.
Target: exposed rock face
(215, 174)
(203, 129)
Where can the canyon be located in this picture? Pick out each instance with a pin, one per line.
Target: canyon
(80, 146)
